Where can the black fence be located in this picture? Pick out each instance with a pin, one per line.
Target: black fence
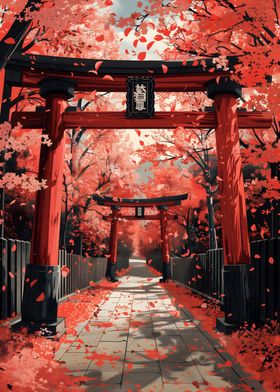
(154, 259)
(203, 274)
(14, 257)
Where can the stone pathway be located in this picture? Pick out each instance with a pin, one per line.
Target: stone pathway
(140, 341)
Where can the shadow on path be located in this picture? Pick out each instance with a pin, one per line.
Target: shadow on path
(141, 341)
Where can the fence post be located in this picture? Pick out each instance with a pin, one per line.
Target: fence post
(72, 273)
(208, 273)
(18, 275)
(271, 283)
(204, 272)
(4, 279)
(171, 267)
(262, 280)
(11, 277)
(67, 279)
(277, 261)
(254, 283)
(77, 273)
(61, 279)
(84, 270)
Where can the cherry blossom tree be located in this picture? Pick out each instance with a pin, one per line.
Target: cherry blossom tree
(63, 23)
(17, 143)
(63, 28)
(218, 29)
(164, 178)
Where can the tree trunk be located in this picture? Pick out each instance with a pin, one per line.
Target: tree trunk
(62, 243)
(212, 230)
(189, 229)
(4, 116)
(274, 204)
(17, 32)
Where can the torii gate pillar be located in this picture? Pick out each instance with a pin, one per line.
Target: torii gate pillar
(113, 246)
(232, 203)
(42, 277)
(165, 257)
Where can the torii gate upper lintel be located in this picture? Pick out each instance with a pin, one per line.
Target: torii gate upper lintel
(161, 203)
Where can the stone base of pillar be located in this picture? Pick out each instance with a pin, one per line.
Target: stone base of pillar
(166, 272)
(236, 290)
(224, 327)
(47, 330)
(40, 300)
(111, 271)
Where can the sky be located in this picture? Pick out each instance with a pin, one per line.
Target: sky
(124, 8)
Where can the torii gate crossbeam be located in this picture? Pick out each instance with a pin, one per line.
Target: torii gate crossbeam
(164, 120)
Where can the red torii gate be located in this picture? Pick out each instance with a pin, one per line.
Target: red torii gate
(58, 79)
(161, 203)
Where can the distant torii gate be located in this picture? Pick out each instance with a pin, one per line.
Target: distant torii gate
(57, 80)
(161, 203)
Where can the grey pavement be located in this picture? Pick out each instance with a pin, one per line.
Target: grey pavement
(140, 341)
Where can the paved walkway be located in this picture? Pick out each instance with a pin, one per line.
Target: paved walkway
(140, 341)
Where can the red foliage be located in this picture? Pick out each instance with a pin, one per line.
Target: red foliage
(257, 350)
(43, 373)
